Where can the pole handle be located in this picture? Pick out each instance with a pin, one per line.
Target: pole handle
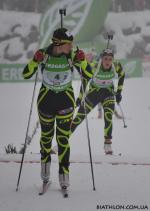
(109, 36)
(62, 13)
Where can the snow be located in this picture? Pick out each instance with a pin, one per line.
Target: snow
(114, 185)
(119, 180)
(118, 22)
(19, 18)
(15, 35)
(148, 48)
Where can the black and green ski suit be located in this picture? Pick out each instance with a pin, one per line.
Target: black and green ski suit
(56, 103)
(101, 90)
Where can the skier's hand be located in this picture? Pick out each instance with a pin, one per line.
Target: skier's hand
(38, 56)
(118, 97)
(79, 55)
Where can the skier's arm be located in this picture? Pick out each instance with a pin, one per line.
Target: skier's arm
(84, 83)
(121, 76)
(85, 70)
(32, 66)
(86, 75)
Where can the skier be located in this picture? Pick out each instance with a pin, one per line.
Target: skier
(102, 91)
(93, 59)
(56, 101)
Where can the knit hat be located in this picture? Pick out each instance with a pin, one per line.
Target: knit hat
(62, 36)
(107, 52)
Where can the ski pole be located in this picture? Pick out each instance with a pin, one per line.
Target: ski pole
(88, 137)
(109, 37)
(26, 136)
(122, 114)
(62, 12)
(87, 129)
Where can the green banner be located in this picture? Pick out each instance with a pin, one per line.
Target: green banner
(11, 72)
(84, 19)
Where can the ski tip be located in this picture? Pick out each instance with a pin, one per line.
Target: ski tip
(41, 193)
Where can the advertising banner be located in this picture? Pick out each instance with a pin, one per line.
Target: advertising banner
(13, 72)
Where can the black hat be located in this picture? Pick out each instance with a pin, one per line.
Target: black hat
(62, 36)
(107, 52)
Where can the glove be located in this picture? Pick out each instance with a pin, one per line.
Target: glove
(78, 102)
(79, 56)
(38, 56)
(118, 97)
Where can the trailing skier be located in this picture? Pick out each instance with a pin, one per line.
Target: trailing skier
(102, 91)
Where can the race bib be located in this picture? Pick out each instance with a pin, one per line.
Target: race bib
(102, 83)
(57, 80)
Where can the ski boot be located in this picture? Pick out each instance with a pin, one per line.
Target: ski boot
(45, 174)
(107, 147)
(64, 184)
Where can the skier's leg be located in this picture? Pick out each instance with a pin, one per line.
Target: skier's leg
(108, 106)
(47, 121)
(91, 100)
(47, 133)
(63, 122)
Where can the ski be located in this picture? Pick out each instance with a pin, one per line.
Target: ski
(113, 154)
(44, 188)
(64, 192)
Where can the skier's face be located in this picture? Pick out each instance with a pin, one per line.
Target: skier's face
(107, 61)
(66, 48)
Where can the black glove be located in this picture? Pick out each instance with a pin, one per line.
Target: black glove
(78, 102)
(118, 97)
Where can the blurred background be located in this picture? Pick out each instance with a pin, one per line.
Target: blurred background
(28, 25)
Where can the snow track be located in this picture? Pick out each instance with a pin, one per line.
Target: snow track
(102, 159)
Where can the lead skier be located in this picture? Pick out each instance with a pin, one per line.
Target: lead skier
(56, 101)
